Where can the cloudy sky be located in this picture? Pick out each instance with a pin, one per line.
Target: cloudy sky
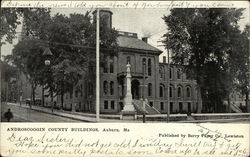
(144, 22)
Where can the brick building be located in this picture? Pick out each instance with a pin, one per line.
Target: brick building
(152, 84)
(159, 83)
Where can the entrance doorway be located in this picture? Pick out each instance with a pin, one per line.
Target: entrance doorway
(189, 107)
(135, 89)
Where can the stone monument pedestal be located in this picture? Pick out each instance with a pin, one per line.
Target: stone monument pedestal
(129, 109)
(128, 113)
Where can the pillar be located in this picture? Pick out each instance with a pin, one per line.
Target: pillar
(128, 106)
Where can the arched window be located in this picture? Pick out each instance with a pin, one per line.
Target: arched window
(188, 92)
(144, 65)
(105, 68)
(128, 59)
(170, 73)
(161, 91)
(170, 91)
(149, 67)
(149, 89)
(111, 88)
(105, 87)
(161, 71)
(179, 74)
(111, 67)
(179, 92)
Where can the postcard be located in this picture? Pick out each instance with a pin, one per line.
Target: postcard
(125, 78)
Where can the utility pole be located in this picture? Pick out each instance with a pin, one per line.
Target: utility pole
(143, 92)
(168, 86)
(248, 82)
(97, 66)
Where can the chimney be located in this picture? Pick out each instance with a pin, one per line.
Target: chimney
(106, 16)
(145, 39)
(164, 59)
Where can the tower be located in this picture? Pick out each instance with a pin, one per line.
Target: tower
(105, 16)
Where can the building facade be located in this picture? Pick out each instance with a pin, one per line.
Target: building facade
(159, 84)
(151, 80)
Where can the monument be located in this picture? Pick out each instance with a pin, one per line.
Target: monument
(129, 108)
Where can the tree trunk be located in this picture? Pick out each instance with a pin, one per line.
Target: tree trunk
(229, 104)
(43, 95)
(51, 99)
(199, 101)
(32, 96)
(33, 93)
(247, 102)
(51, 96)
(62, 94)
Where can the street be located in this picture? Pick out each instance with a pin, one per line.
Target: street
(27, 115)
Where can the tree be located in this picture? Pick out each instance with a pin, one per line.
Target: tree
(27, 57)
(240, 63)
(8, 74)
(9, 22)
(203, 39)
(71, 39)
(12, 17)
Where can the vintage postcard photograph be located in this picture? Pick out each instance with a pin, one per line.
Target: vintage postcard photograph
(129, 66)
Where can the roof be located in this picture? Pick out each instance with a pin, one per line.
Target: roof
(135, 43)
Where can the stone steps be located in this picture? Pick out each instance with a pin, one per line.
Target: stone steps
(148, 109)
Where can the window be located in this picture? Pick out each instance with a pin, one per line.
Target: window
(162, 105)
(149, 67)
(161, 91)
(112, 104)
(111, 68)
(111, 88)
(179, 74)
(188, 92)
(161, 71)
(105, 87)
(149, 89)
(106, 104)
(170, 73)
(179, 92)
(170, 92)
(180, 106)
(105, 68)
(189, 107)
(171, 107)
(128, 59)
(144, 65)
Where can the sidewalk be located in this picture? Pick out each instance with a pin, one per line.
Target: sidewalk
(85, 117)
(161, 118)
